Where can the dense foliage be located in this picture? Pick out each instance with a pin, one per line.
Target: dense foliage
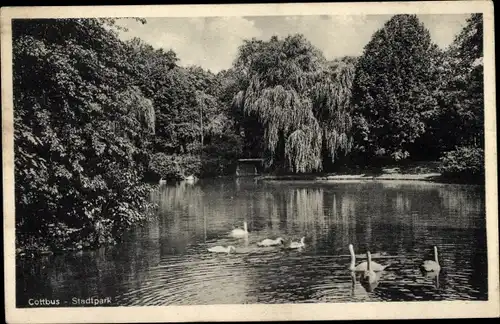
(96, 118)
(393, 88)
(81, 132)
(464, 163)
(462, 92)
(413, 101)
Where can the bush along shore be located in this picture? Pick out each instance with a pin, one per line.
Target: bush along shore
(95, 122)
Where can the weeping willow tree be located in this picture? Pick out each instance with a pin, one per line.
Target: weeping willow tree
(331, 98)
(300, 100)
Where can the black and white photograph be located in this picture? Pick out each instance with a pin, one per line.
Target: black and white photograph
(250, 155)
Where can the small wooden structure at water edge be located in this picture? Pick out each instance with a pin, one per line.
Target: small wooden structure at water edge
(249, 167)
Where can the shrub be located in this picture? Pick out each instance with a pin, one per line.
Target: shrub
(463, 162)
(213, 167)
(174, 167)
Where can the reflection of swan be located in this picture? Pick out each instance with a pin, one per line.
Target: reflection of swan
(298, 245)
(430, 265)
(353, 278)
(221, 249)
(269, 242)
(370, 286)
(369, 276)
(363, 265)
(238, 232)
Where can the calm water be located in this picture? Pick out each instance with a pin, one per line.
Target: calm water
(167, 263)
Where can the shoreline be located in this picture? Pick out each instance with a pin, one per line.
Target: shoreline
(334, 177)
(433, 177)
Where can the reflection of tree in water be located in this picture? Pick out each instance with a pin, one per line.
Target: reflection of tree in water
(463, 206)
(305, 211)
(87, 273)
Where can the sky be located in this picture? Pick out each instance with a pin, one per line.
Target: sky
(212, 42)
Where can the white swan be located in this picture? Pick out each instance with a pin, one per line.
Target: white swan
(298, 245)
(363, 265)
(162, 182)
(369, 275)
(431, 265)
(269, 242)
(238, 232)
(221, 249)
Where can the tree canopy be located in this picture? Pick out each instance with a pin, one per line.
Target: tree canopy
(393, 89)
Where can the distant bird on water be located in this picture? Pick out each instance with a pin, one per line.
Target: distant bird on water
(431, 265)
(363, 266)
(270, 242)
(238, 232)
(221, 249)
(298, 245)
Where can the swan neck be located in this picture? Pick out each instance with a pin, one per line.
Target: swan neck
(369, 261)
(245, 226)
(353, 257)
(436, 255)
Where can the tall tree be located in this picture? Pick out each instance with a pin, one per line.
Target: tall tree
(293, 95)
(463, 91)
(393, 88)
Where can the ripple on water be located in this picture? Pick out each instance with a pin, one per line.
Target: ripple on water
(173, 283)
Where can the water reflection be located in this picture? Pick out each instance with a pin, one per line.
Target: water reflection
(166, 262)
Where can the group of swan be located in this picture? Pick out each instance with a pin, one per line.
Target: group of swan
(369, 269)
(188, 179)
(242, 233)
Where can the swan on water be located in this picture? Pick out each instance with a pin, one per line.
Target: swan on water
(369, 275)
(238, 232)
(221, 249)
(270, 242)
(298, 245)
(431, 265)
(363, 265)
(162, 182)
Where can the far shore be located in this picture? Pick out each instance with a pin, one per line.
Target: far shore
(396, 176)
(428, 177)
(426, 171)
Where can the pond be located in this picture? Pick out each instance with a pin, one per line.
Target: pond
(166, 262)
